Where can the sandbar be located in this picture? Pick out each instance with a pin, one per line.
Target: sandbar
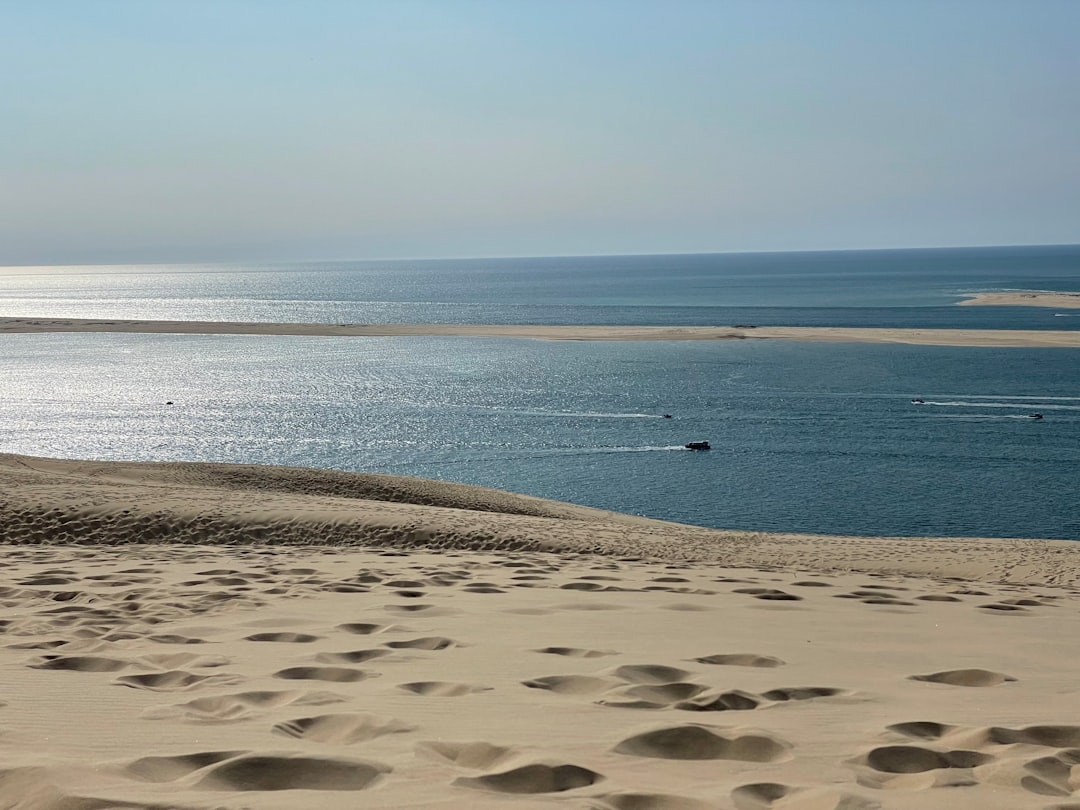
(935, 337)
(191, 635)
(1024, 298)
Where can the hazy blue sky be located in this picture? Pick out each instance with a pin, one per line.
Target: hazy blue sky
(190, 130)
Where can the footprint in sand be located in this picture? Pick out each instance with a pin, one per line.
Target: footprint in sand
(241, 706)
(175, 681)
(345, 587)
(1051, 775)
(169, 769)
(572, 684)
(575, 652)
(176, 660)
(965, 677)
(351, 656)
(442, 688)
(431, 643)
(922, 730)
(874, 597)
(332, 674)
(697, 742)
(650, 801)
(911, 767)
(341, 729)
(649, 673)
(732, 700)
(938, 597)
(472, 755)
(583, 606)
(655, 695)
(174, 638)
(482, 587)
(418, 610)
(741, 660)
(285, 638)
(802, 693)
(1025, 602)
(766, 795)
(78, 663)
(283, 772)
(1050, 736)
(738, 700)
(364, 628)
(914, 768)
(915, 759)
(537, 778)
(770, 594)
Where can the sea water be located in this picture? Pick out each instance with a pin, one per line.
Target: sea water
(809, 437)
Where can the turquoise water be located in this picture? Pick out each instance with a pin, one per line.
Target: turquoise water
(809, 437)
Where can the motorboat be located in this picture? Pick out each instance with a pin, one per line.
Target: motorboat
(918, 401)
(697, 446)
(1035, 416)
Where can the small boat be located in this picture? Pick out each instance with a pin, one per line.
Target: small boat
(1036, 416)
(918, 402)
(697, 446)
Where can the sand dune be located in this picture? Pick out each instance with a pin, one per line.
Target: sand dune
(1025, 298)
(212, 636)
(930, 337)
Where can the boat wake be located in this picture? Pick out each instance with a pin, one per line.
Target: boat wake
(594, 451)
(970, 416)
(1015, 396)
(1043, 405)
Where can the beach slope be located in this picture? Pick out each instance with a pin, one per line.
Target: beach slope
(185, 635)
(833, 334)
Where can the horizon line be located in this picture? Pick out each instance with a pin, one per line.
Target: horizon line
(238, 262)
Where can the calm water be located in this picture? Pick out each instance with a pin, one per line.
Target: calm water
(859, 288)
(806, 437)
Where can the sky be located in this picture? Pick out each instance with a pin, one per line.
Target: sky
(137, 131)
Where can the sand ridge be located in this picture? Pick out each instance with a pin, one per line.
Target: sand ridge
(930, 337)
(95, 502)
(1024, 298)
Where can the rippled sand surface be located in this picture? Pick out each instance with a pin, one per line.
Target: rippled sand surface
(214, 636)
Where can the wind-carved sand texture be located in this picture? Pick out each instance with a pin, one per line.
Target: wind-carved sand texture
(209, 636)
(1024, 298)
(832, 334)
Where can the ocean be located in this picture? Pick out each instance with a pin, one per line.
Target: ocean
(806, 437)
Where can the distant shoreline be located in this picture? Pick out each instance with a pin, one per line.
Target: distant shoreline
(1024, 298)
(928, 337)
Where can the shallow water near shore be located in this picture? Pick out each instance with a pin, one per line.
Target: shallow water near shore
(806, 437)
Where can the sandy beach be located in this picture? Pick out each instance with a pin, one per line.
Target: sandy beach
(929, 337)
(1024, 298)
(219, 636)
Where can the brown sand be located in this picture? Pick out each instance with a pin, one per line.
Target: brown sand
(1025, 298)
(935, 337)
(217, 636)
